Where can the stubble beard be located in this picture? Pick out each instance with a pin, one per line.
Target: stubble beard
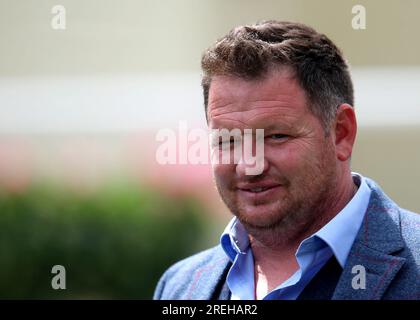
(296, 215)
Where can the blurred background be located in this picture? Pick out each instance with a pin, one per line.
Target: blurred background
(80, 108)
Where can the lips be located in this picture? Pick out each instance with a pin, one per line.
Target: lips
(257, 187)
(257, 194)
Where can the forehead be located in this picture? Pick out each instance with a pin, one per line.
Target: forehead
(275, 98)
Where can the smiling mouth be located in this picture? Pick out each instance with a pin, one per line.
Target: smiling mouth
(259, 189)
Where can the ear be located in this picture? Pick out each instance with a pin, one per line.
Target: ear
(345, 128)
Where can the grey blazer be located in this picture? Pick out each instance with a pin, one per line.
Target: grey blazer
(387, 246)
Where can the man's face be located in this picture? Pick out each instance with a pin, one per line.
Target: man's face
(300, 164)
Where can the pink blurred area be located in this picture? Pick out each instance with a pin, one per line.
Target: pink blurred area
(16, 164)
(85, 162)
(178, 180)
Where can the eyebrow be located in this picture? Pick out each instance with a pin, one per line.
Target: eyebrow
(266, 128)
(276, 126)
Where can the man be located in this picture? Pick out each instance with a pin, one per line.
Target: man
(305, 227)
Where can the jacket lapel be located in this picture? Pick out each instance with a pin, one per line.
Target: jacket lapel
(225, 293)
(370, 259)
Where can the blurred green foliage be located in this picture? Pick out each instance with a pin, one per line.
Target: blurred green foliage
(114, 243)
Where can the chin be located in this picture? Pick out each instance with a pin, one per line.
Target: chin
(261, 216)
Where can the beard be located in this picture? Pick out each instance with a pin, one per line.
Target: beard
(302, 206)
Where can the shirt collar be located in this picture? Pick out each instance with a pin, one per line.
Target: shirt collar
(341, 231)
(234, 239)
(339, 234)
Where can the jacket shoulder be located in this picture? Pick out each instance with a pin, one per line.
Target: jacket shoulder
(387, 245)
(410, 231)
(177, 280)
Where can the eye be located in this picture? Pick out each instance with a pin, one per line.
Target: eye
(277, 136)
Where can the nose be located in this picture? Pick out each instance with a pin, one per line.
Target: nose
(246, 167)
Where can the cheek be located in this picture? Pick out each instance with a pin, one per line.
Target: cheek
(293, 158)
(223, 172)
(284, 156)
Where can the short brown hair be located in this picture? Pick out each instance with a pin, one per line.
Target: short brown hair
(251, 51)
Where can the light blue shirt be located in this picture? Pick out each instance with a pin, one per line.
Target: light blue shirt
(335, 238)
